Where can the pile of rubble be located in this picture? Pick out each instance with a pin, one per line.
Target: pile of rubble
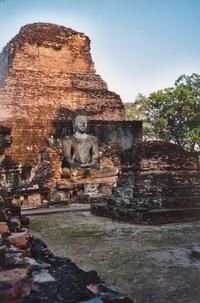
(30, 272)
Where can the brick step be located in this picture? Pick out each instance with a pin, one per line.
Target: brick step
(147, 217)
(167, 189)
(176, 193)
(171, 176)
(173, 215)
(181, 202)
(165, 202)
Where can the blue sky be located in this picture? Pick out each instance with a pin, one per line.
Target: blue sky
(138, 46)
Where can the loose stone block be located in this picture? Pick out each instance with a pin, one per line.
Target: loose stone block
(20, 239)
(4, 227)
(14, 284)
(34, 200)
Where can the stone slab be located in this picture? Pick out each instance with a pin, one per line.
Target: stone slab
(71, 208)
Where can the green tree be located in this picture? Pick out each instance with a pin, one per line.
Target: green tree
(173, 114)
(138, 111)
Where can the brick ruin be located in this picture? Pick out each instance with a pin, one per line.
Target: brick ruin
(159, 183)
(46, 73)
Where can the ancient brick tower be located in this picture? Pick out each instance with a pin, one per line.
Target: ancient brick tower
(44, 71)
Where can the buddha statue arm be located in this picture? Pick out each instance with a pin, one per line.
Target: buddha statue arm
(95, 152)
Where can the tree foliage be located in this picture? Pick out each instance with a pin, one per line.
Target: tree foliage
(138, 111)
(172, 114)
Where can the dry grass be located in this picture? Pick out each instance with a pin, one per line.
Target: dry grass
(152, 264)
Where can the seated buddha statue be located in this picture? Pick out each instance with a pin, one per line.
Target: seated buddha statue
(81, 153)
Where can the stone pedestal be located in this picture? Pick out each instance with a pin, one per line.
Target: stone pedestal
(85, 190)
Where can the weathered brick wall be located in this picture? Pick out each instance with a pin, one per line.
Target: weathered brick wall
(43, 69)
(166, 176)
(160, 182)
(114, 137)
(119, 135)
(46, 71)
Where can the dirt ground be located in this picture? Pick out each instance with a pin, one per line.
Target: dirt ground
(152, 264)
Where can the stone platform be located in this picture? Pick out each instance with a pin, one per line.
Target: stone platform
(159, 184)
(55, 210)
(85, 190)
(145, 216)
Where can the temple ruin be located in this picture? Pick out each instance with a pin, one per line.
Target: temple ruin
(47, 73)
